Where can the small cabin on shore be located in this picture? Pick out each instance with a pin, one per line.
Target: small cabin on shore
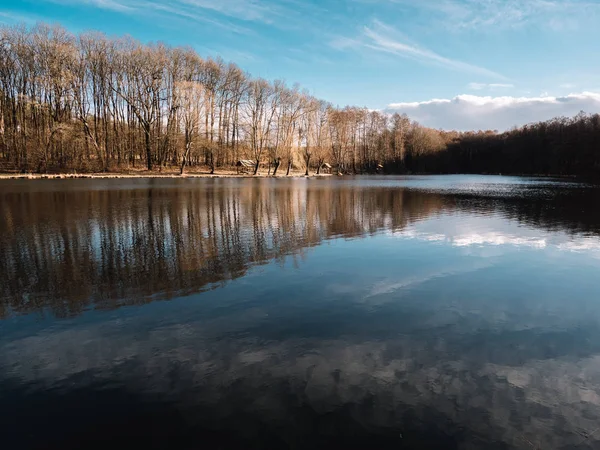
(326, 168)
(244, 165)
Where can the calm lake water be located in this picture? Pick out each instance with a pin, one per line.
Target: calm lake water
(458, 312)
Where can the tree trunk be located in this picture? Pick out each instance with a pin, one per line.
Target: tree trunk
(288, 168)
(188, 146)
(92, 139)
(256, 166)
(148, 148)
(307, 164)
(277, 164)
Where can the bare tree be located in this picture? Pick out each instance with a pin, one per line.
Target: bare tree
(192, 100)
(261, 109)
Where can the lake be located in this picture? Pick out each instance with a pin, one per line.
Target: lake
(452, 312)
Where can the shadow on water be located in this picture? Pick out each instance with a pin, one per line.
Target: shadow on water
(103, 417)
(304, 314)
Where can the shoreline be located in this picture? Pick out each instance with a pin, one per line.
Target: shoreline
(233, 174)
(116, 175)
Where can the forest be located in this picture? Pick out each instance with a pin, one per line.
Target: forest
(90, 103)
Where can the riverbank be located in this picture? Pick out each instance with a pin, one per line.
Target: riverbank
(153, 174)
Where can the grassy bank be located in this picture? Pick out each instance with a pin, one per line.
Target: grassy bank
(152, 174)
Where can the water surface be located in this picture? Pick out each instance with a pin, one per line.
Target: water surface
(457, 312)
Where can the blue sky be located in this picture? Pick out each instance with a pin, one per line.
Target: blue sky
(406, 55)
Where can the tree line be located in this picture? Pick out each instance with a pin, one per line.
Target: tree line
(92, 103)
(561, 146)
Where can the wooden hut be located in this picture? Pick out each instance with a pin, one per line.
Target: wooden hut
(244, 165)
(326, 168)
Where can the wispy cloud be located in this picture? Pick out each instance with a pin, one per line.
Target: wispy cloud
(179, 12)
(247, 10)
(495, 14)
(383, 38)
(215, 13)
(250, 10)
(112, 5)
(232, 15)
(9, 17)
(389, 286)
(490, 86)
(281, 14)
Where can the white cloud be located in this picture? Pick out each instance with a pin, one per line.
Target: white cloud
(471, 112)
(588, 245)
(488, 234)
(491, 235)
(493, 238)
(383, 38)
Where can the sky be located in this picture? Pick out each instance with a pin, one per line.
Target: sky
(450, 64)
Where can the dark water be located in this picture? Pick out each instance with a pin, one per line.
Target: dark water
(433, 312)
